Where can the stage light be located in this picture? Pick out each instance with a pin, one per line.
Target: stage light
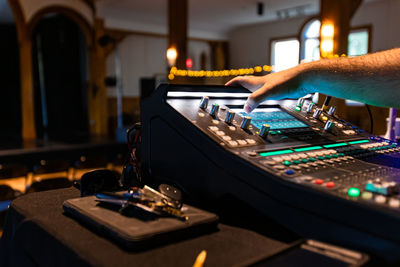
(189, 63)
(172, 54)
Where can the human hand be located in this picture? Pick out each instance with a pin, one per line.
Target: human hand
(273, 86)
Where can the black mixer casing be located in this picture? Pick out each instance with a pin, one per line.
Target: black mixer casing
(182, 151)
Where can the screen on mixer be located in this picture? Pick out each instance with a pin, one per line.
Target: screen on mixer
(274, 117)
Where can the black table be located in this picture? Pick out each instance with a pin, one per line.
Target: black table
(37, 233)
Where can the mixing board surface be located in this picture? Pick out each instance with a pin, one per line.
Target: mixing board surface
(309, 169)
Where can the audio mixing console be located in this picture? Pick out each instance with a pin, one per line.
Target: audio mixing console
(310, 170)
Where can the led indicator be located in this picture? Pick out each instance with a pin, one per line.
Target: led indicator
(335, 145)
(278, 152)
(297, 108)
(307, 148)
(358, 142)
(353, 192)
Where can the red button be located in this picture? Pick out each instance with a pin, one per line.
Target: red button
(330, 184)
(319, 181)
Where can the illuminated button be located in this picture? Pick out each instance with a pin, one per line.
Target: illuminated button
(227, 138)
(302, 155)
(270, 162)
(328, 156)
(279, 132)
(353, 192)
(330, 184)
(318, 181)
(335, 155)
(214, 128)
(201, 114)
(272, 132)
(296, 162)
(279, 167)
(380, 199)
(394, 203)
(242, 142)
(312, 159)
(232, 128)
(289, 172)
(312, 154)
(296, 167)
(233, 143)
(220, 133)
(324, 118)
(313, 164)
(287, 163)
(215, 121)
(251, 141)
(295, 157)
(321, 158)
(303, 165)
(286, 157)
(278, 159)
(366, 195)
(297, 108)
(304, 160)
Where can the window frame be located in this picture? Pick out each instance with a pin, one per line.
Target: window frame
(285, 38)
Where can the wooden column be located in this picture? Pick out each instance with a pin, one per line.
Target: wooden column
(177, 29)
(339, 13)
(98, 113)
(26, 72)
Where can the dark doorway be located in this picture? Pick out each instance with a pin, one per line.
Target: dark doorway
(10, 100)
(61, 79)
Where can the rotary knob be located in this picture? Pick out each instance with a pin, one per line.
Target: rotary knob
(332, 110)
(310, 107)
(214, 110)
(245, 123)
(300, 102)
(264, 130)
(317, 113)
(329, 125)
(230, 115)
(204, 102)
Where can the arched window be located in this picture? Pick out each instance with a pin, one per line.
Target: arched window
(310, 41)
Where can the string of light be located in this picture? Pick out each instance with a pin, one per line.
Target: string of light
(174, 72)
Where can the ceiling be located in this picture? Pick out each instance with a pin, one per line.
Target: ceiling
(207, 18)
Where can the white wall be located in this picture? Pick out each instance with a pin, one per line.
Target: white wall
(144, 56)
(250, 45)
(141, 56)
(384, 16)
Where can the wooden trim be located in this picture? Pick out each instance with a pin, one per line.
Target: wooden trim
(68, 12)
(26, 72)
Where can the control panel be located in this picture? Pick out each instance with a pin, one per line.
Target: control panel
(284, 158)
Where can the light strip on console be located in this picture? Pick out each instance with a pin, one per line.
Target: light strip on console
(335, 145)
(274, 153)
(358, 142)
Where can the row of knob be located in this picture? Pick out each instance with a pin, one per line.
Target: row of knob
(230, 115)
(318, 112)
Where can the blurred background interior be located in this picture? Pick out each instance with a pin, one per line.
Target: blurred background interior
(73, 72)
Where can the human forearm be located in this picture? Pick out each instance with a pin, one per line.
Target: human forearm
(372, 79)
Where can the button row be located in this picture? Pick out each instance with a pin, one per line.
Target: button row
(227, 138)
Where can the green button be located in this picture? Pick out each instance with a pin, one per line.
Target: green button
(321, 157)
(304, 160)
(328, 156)
(353, 192)
(387, 147)
(278, 132)
(272, 132)
(296, 161)
(394, 145)
(373, 149)
(287, 163)
(341, 154)
(297, 108)
(312, 159)
(335, 155)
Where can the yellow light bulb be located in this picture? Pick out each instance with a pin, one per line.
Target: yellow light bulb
(171, 76)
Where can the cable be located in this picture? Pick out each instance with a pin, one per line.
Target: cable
(371, 120)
